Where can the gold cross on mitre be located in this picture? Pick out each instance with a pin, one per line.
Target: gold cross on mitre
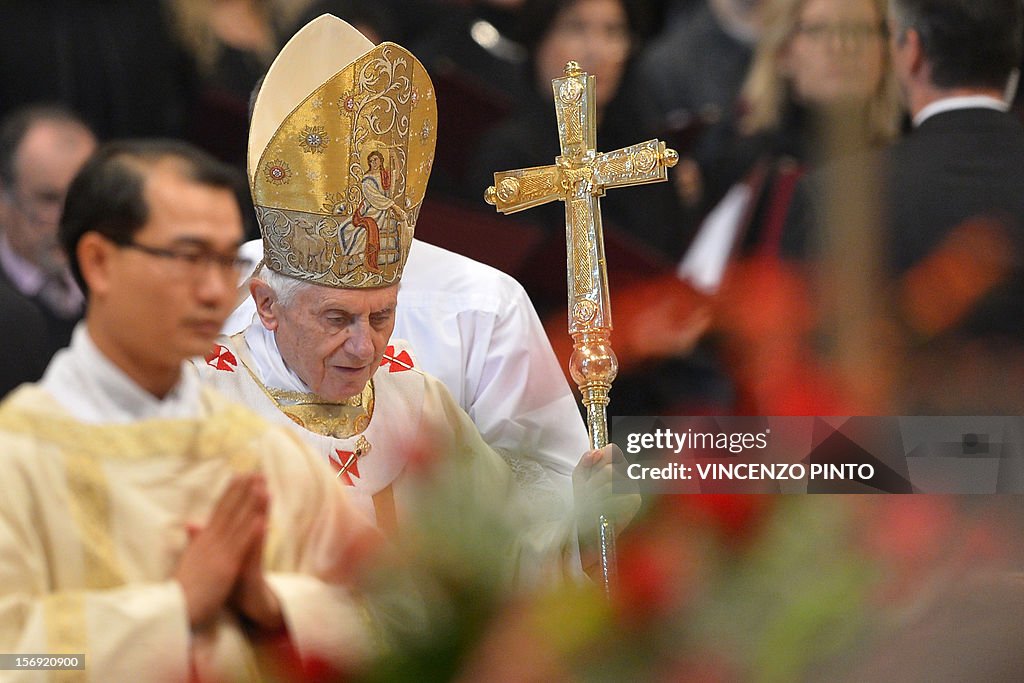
(579, 177)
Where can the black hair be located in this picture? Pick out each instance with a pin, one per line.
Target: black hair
(16, 125)
(107, 196)
(537, 17)
(969, 43)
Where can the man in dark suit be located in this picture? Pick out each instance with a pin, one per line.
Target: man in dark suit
(41, 150)
(962, 162)
(950, 221)
(955, 209)
(23, 354)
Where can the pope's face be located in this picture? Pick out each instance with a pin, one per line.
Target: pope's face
(334, 339)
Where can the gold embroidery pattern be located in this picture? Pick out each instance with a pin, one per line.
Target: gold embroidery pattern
(64, 616)
(89, 505)
(277, 172)
(376, 155)
(224, 433)
(583, 276)
(226, 430)
(573, 126)
(314, 139)
(616, 167)
(538, 184)
(339, 420)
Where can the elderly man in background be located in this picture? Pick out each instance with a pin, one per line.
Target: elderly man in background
(41, 149)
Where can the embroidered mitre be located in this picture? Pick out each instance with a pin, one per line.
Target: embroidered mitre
(340, 149)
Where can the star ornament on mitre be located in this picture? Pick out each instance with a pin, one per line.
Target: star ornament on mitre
(340, 149)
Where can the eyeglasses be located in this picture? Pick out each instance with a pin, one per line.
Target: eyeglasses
(194, 261)
(847, 33)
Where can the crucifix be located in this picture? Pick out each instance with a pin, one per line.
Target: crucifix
(579, 177)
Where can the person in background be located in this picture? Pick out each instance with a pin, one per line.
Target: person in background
(41, 150)
(954, 202)
(945, 242)
(697, 67)
(230, 44)
(114, 63)
(819, 65)
(820, 89)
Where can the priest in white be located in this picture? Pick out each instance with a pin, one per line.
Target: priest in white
(474, 328)
(319, 354)
(147, 522)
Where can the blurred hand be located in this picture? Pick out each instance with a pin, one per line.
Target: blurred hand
(216, 553)
(593, 480)
(252, 596)
(661, 317)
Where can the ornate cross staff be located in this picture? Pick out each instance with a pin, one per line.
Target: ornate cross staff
(579, 177)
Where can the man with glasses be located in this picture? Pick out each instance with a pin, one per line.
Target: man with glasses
(138, 505)
(41, 149)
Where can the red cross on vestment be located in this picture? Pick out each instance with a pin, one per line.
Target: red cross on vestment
(346, 466)
(399, 363)
(221, 359)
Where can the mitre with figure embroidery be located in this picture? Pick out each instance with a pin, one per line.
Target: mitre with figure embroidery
(340, 149)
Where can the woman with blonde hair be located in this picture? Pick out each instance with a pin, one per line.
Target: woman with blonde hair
(230, 44)
(782, 69)
(820, 88)
(820, 85)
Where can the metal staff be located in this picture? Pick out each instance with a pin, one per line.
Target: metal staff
(579, 177)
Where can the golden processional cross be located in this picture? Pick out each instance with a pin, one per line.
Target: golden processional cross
(579, 177)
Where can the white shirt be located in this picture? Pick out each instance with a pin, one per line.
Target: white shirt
(960, 102)
(94, 390)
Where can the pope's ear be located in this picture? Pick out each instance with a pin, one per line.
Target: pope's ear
(94, 258)
(265, 298)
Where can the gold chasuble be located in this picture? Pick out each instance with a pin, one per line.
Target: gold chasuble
(93, 519)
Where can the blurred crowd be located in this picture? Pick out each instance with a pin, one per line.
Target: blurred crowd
(800, 261)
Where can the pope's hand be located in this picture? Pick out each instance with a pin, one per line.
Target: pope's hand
(600, 488)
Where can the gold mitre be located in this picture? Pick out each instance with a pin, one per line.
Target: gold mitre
(340, 149)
